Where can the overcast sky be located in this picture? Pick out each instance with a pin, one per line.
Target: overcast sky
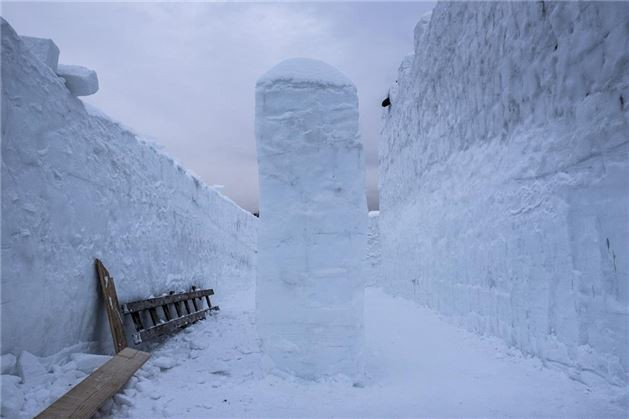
(183, 74)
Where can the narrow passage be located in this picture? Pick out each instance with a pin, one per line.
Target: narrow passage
(416, 363)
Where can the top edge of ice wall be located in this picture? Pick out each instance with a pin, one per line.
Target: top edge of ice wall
(304, 70)
(313, 220)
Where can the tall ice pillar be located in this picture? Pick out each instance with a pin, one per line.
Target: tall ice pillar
(313, 220)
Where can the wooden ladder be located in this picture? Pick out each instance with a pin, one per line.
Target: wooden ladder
(151, 317)
(161, 315)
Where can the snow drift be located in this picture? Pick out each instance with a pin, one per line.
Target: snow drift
(76, 186)
(503, 175)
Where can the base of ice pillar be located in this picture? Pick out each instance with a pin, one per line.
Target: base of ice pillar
(313, 220)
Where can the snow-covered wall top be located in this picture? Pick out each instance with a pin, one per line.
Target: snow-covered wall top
(77, 186)
(298, 71)
(504, 177)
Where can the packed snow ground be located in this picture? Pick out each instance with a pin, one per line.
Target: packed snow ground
(417, 365)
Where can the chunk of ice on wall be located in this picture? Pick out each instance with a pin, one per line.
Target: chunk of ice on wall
(44, 49)
(7, 363)
(81, 81)
(313, 213)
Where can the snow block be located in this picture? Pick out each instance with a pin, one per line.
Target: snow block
(80, 81)
(8, 363)
(164, 362)
(29, 368)
(44, 49)
(313, 214)
(89, 362)
(503, 177)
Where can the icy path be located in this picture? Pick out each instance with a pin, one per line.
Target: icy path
(417, 364)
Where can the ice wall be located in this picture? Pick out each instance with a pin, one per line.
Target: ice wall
(374, 251)
(313, 219)
(76, 187)
(504, 194)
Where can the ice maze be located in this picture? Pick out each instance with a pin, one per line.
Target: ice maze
(503, 168)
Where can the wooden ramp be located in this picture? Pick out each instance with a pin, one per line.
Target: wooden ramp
(84, 399)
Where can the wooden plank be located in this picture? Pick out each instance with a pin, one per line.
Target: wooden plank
(110, 298)
(154, 316)
(84, 399)
(194, 303)
(166, 299)
(137, 321)
(168, 327)
(177, 309)
(166, 311)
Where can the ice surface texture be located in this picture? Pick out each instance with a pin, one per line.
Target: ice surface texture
(374, 250)
(504, 172)
(80, 81)
(77, 186)
(44, 49)
(313, 213)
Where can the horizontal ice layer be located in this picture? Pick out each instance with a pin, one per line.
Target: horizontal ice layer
(77, 186)
(503, 177)
(313, 215)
